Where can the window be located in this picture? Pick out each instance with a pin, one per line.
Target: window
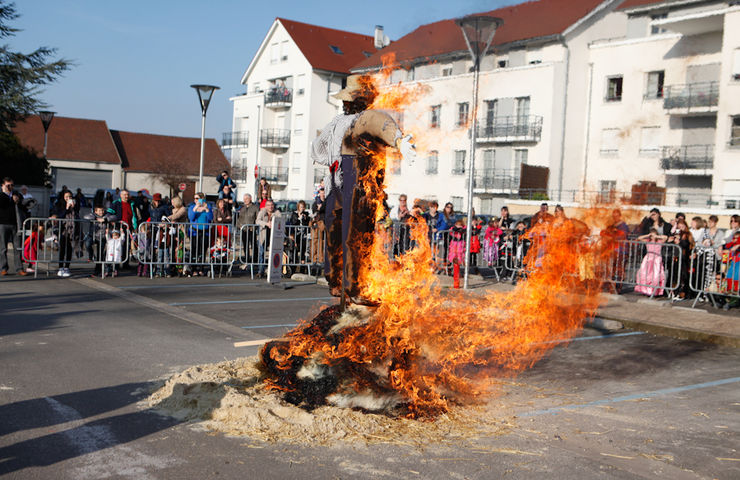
(502, 63)
(447, 71)
(736, 64)
(458, 168)
(609, 142)
(486, 205)
(650, 141)
(434, 116)
(520, 157)
(284, 51)
(522, 110)
(457, 203)
(300, 86)
(298, 130)
(489, 162)
(614, 89)
(462, 114)
(607, 191)
(655, 81)
(297, 161)
(336, 50)
(411, 75)
(735, 131)
(432, 163)
(274, 53)
(655, 29)
(491, 112)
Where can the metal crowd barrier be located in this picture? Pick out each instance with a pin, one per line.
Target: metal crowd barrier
(167, 248)
(303, 247)
(651, 268)
(74, 241)
(714, 274)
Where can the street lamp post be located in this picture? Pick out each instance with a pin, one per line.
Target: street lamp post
(478, 32)
(205, 92)
(46, 118)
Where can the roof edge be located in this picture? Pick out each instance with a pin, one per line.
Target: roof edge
(260, 51)
(657, 5)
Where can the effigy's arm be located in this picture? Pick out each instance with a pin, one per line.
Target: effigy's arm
(380, 125)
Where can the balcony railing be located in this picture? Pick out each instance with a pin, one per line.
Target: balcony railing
(692, 96)
(234, 139)
(458, 170)
(276, 175)
(274, 138)
(687, 157)
(278, 97)
(496, 179)
(669, 199)
(511, 129)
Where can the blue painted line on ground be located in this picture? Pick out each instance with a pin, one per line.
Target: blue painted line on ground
(593, 337)
(260, 300)
(636, 396)
(271, 326)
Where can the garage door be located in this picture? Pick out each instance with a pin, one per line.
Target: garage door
(88, 180)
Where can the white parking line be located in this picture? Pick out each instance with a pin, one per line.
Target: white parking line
(260, 300)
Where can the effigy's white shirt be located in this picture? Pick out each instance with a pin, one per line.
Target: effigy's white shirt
(327, 148)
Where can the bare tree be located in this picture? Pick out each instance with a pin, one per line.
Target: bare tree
(171, 173)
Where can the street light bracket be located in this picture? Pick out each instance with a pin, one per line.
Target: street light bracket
(478, 31)
(205, 92)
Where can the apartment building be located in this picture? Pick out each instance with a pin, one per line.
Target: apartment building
(663, 107)
(287, 101)
(532, 106)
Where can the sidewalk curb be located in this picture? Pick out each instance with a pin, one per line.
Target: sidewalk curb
(675, 332)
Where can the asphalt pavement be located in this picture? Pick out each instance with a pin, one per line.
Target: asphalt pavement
(78, 355)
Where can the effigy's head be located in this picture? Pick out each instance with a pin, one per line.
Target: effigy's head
(359, 93)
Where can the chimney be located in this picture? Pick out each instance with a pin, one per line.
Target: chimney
(381, 40)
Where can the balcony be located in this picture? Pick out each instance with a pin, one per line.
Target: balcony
(235, 139)
(495, 181)
(279, 97)
(511, 129)
(274, 175)
(692, 98)
(688, 159)
(274, 138)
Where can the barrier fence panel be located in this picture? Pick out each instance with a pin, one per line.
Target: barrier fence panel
(715, 273)
(651, 268)
(304, 247)
(75, 241)
(166, 248)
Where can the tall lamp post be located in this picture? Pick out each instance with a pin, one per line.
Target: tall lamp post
(46, 118)
(478, 32)
(205, 92)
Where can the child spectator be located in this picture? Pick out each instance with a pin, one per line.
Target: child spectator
(651, 275)
(113, 252)
(145, 249)
(31, 247)
(96, 237)
(457, 244)
(491, 241)
(220, 253)
(697, 229)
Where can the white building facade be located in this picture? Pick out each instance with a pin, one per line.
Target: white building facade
(664, 106)
(287, 101)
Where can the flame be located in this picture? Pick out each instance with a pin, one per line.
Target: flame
(434, 348)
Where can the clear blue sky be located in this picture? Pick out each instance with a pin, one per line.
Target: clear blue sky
(135, 60)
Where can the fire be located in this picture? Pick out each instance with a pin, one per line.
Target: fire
(423, 350)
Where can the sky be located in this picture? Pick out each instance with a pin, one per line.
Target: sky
(134, 61)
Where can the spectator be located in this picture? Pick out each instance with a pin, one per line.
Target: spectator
(224, 180)
(125, 211)
(69, 233)
(654, 220)
(541, 216)
(400, 212)
(505, 222)
(264, 198)
(713, 235)
(560, 213)
(80, 200)
(96, 237)
(435, 222)
(475, 246)
(200, 215)
(264, 220)
(159, 210)
(245, 222)
(683, 238)
(318, 232)
(142, 203)
(179, 211)
(615, 233)
(31, 245)
(400, 215)
(117, 195)
(734, 228)
(223, 216)
(145, 249)
(301, 218)
(28, 201)
(114, 246)
(9, 229)
(491, 240)
(697, 229)
(108, 200)
(457, 243)
(651, 275)
(228, 196)
(619, 226)
(730, 254)
(262, 188)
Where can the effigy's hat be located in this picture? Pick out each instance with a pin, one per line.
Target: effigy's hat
(356, 89)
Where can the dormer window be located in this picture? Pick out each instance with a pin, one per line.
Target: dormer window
(336, 49)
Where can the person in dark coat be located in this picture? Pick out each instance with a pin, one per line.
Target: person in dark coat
(69, 232)
(9, 228)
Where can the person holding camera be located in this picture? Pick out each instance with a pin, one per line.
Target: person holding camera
(200, 216)
(69, 232)
(9, 228)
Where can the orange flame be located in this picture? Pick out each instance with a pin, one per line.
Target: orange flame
(439, 348)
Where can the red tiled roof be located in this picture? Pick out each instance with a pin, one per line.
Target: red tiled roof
(74, 139)
(639, 3)
(521, 22)
(144, 152)
(315, 43)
